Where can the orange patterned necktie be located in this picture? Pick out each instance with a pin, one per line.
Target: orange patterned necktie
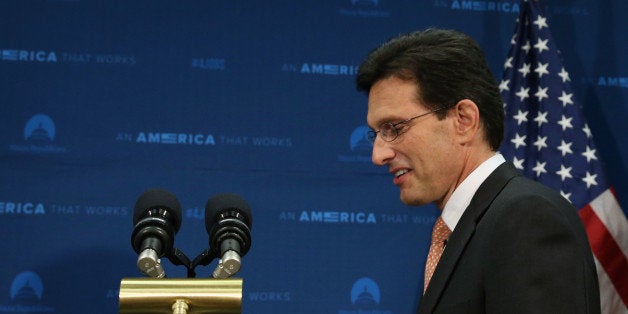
(440, 233)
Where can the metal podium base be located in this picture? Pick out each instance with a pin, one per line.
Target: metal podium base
(180, 296)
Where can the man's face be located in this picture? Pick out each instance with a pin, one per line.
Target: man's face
(423, 158)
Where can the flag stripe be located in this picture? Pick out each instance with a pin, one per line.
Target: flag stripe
(607, 208)
(607, 251)
(610, 301)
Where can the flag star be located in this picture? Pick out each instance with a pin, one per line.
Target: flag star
(541, 93)
(523, 93)
(518, 162)
(541, 45)
(540, 142)
(565, 148)
(566, 195)
(564, 173)
(589, 154)
(526, 47)
(564, 75)
(525, 69)
(521, 117)
(541, 118)
(589, 179)
(519, 140)
(503, 85)
(565, 123)
(513, 40)
(566, 99)
(540, 22)
(508, 63)
(541, 69)
(587, 131)
(539, 168)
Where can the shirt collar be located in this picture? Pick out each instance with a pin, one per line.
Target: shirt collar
(462, 195)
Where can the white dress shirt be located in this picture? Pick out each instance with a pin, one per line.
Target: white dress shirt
(462, 195)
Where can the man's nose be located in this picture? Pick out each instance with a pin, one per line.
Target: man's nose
(382, 152)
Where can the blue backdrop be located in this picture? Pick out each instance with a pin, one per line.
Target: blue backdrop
(101, 100)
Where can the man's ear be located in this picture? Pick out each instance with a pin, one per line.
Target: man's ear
(467, 120)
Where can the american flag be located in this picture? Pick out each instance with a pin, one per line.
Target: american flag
(548, 140)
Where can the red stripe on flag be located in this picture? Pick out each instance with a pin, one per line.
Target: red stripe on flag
(607, 251)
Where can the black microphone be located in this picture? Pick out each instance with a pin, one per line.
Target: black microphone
(228, 222)
(156, 219)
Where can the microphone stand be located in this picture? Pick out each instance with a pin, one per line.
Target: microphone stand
(178, 258)
(206, 257)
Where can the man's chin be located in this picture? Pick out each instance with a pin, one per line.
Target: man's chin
(412, 200)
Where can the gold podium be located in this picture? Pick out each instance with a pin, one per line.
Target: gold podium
(180, 296)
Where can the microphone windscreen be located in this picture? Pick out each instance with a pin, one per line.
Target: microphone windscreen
(226, 202)
(158, 198)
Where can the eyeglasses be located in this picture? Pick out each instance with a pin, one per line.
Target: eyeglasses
(389, 131)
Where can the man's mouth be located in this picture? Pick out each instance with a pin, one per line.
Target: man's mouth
(401, 172)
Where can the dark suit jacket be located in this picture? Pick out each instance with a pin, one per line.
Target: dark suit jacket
(518, 248)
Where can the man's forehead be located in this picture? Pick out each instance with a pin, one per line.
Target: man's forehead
(388, 111)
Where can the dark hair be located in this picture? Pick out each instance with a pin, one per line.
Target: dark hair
(447, 66)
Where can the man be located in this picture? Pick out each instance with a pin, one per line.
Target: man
(509, 244)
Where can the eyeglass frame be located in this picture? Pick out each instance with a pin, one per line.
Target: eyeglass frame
(372, 134)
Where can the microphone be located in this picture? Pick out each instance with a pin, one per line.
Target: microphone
(228, 222)
(156, 219)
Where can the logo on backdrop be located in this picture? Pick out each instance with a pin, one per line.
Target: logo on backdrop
(26, 295)
(359, 141)
(210, 64)
(202, 139)
(365, 298)
(363, 8)
(613, 81)
(175, 138)
(13, 208)
(482, 6)
(269, 296)
(43, 56)
(504, 7)
(28, 55)
(328, 69)
(35, 208)
(359, 217)
(337, 217)
(359, 147)
(39, 135)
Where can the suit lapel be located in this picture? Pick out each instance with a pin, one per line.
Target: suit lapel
(465, 228)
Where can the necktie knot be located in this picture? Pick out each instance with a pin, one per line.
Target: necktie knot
(441, 231)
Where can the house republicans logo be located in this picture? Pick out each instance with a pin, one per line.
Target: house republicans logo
(365, 298)
(359, 146)
(359, 141)
(39, 135)
(26, 295)
(40, 129)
